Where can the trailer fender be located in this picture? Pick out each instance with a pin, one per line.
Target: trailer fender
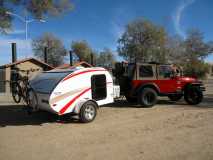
(81, 103)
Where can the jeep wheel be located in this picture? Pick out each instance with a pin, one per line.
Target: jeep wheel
(88, 112)
(148, 97)
(175, 97)
(193, 96)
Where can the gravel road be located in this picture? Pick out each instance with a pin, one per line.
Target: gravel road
(120, 131)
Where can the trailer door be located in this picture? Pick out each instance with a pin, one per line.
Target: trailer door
(99, 88)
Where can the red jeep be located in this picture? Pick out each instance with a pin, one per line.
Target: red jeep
(144, 82)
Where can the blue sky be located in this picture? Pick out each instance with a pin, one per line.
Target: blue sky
(102, 22)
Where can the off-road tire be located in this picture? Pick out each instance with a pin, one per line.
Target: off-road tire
(175, 97)
(88, 112)
(148, 97)
(193, 96)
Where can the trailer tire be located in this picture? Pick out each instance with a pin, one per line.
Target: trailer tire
(88, 112)
(32, 101)
(148, 97)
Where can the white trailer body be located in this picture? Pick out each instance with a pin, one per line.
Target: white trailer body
(66, 91)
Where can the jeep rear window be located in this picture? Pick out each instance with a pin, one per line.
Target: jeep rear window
(146, 71)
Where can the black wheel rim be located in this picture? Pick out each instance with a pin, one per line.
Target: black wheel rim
(149, 98)
(193, 96)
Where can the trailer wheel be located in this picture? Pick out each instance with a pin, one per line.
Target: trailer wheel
(148, 97)
(175, 97)
(193, 96)
(88, 112)
(32, 100)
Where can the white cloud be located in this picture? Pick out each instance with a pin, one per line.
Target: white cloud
(178, 16)
(16, 32)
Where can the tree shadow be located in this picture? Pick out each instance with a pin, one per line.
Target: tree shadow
(18, 116)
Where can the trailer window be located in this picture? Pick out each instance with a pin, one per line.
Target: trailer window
(146, 71)
(99, 90)
(46, 82)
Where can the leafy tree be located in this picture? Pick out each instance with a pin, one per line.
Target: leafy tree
(55, 49)
(82, 50)
(196, 51)
(36, 8)
(196, 48)
(105, 58)
(190, 53)
(143, 41)
(176, 50)
(196, 68)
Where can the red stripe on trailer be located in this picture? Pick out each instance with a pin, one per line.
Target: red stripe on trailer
(72, 101)
(73, 75)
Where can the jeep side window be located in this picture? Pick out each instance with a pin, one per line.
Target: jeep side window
(146, 71)
(165, 71)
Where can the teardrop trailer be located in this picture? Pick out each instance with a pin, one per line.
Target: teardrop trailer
(81, 91)
(78, 91)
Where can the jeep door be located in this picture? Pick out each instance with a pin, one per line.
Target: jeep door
(166, 81)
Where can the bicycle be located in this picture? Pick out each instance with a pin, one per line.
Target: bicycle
(21, 87)
(20, 90)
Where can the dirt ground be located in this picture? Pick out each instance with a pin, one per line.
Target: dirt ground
(120, 131)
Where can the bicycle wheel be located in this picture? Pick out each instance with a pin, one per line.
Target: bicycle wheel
(16, 92)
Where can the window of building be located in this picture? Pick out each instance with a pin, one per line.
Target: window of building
(2, 81)
(99, 90)
(146, 71)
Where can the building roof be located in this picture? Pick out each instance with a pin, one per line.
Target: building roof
(67, 66)
(36, 61)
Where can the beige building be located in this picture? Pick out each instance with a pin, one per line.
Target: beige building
(29, 67)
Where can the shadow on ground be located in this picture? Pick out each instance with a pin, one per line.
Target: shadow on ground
(207, 103)
(17, 115)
